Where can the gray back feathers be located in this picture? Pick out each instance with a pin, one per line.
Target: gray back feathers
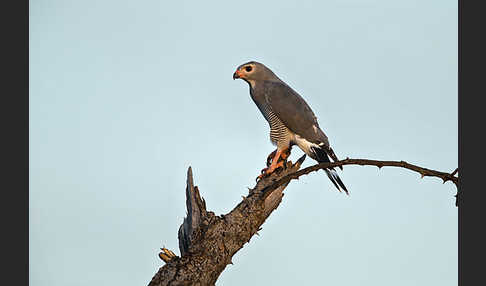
(286, 104)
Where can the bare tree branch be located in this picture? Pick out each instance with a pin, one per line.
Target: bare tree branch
(208, 242)
(424, 172)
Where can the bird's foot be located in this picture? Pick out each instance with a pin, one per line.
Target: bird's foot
(270, 158)
(272, 168)
(283, 156)
(262, 174)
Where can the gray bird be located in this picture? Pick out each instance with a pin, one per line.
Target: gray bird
(291, 120)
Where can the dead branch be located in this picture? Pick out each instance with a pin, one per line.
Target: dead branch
(424, 172)
(208, 242)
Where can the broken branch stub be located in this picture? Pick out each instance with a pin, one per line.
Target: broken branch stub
(196, 211)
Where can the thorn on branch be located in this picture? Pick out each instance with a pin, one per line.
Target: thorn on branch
(300, 161)
(454, 172)
(166, 255)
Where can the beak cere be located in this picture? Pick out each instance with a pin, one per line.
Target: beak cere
(236, 74)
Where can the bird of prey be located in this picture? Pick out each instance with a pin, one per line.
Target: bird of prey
(291, 120)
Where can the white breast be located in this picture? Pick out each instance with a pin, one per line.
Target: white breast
(304, 144)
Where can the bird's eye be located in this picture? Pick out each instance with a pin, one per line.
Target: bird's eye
(248, 69)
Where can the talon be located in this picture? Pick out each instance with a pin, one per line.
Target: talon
(276, 159)
(270, 158)
(260, 177)
(263, 173)
(273, 168)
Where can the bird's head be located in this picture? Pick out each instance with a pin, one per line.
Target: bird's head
(253, 71)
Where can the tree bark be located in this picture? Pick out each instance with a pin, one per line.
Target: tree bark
(208, 242)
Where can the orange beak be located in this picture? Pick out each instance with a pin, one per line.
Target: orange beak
(237, 74)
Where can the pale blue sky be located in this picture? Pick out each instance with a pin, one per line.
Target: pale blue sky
(126, 95)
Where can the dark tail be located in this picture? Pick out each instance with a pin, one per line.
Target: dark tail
(333, 156)
(321, 157)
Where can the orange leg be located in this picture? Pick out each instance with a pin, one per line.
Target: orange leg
(285, 154)
(270, 158)
(278, 160)
(275, 162)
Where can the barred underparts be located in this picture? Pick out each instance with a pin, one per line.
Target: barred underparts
(280, 135)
